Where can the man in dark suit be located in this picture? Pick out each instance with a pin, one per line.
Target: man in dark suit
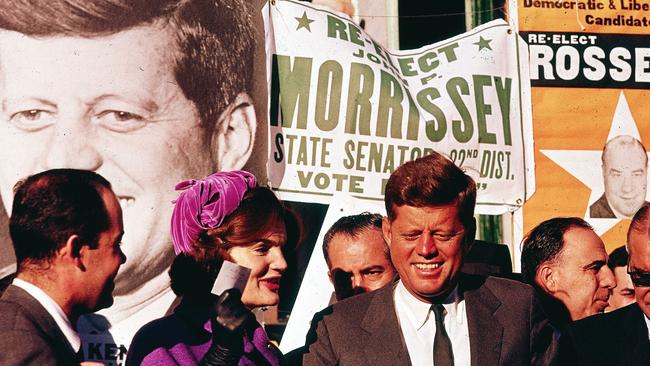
(566, 262)
(66, 228)
(620, 337)
(433, 313)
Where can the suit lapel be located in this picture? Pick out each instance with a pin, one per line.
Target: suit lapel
(635, 341)
(485, 330)
(383, 341)
(41, 318)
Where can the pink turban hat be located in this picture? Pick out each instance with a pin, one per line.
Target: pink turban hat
(204, 203)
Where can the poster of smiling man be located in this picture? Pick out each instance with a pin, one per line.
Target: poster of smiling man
(145, 93)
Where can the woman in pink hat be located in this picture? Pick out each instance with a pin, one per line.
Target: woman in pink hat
(225, 216)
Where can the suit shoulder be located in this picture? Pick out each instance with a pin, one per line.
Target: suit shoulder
(507, 288)
(15, 316)
(354, 307)
(611, 320)
(359, 301)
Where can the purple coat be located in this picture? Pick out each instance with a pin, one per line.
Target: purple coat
(184, 337)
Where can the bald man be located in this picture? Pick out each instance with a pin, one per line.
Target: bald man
(625, 174)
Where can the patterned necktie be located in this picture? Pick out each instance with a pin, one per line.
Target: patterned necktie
(442, 352)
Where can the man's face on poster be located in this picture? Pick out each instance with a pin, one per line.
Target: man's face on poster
(625, 177)
(109, 104)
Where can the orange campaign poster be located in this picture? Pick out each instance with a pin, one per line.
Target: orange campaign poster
(590, 78)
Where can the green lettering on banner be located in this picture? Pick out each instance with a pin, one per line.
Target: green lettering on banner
(428, 61)
(360, 90)
(449, 51)
(355, 34)
(389, 162)
(503, 93)
(323, 181)
(304, 180)
(482, 109)
(360, 156)
(413, 125)
(302, 151)
(390, 106)
(355, 184)
(348, 161)
(435, 128)
(291, 139)
(374, 157)
(496, 164)
(290, 88)
(328, 95)
(336, 28)
(463, 128)
(406, 66)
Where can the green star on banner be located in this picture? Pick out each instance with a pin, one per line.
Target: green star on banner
(481, 43)
(304, 21)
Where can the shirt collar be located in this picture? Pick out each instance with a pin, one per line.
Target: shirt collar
(60, 318)
(647, 324)
(419, 311)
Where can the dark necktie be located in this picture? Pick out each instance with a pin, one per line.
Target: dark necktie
(442, 352)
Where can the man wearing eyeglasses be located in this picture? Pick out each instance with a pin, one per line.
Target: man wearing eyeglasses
(622, 336)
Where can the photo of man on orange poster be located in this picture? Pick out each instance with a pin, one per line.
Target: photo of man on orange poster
(590, 77)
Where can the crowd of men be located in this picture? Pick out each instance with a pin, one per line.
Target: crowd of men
(432, 313)
(86, 84)
(401, 295)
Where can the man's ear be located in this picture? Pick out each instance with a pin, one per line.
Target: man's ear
(73, 252)
(545, 278)
(385, 230)
(234, 134)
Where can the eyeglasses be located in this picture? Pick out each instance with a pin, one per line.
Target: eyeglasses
(639, 278)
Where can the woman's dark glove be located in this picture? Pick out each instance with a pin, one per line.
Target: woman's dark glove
(231, 321)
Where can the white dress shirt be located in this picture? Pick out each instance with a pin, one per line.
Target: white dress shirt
(418, 324)
(54, 310)
(647, 324)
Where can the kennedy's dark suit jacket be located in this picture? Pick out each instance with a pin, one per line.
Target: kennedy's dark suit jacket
(504, 321)
(614, 339)
(28, 333)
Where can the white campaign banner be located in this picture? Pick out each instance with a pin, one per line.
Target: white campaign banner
(344, 112)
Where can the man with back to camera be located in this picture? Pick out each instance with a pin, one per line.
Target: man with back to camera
(625, 175)
(620, 337)
(66, 227)
(145, 93)
(566, 263)
(623, 294)
(357, 256)
(433, 313)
